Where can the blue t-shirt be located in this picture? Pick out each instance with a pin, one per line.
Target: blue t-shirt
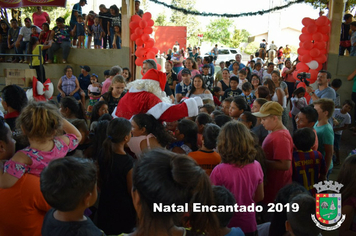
(325, 136)
(76, 8)
(235, 231)
(212, 69)
(240, 67)
(325, 93)
(84, 81)
(182, 88)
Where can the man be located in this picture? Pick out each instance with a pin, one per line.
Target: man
(104, 16)
(151, 64)
(77, 10)
(238, 58)
(306, 118)
(23, 40)
(323, 91)
(216, 52)
(84, 81)
(272, 52)
(13, 34)
(138, 11)
(287, 52)
(115, 70)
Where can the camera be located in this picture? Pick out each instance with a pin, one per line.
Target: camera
(303, 77)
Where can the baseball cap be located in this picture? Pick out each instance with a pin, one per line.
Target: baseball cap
(95, 75)
(269, 109)
(186, 71)
(87, 68)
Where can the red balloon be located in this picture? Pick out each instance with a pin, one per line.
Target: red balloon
(139, 61)
(323, 51)
(321, 58)
(150, 22)
(140, 51)
(147, 16)
(300, 44)
(317, 37)
(325, 29)
(142, 24)
(311, 29)
(307, 21)
(151, 55)
(295, 73)
(148, 30)
(301, 84)
(314, 52)
(149, 43)
(139, 42)
(133, 25)
(320, 45)
(155, 50)
(135, 18)
(322, 20)
(308, 45)
(302, 51)
(302, 67)
(145, 37)
(142, 70)
(313, 74)
(159, 67)
(307, 97)
(319, 67)
(133, 37)
(139, 32)
(304, 30)
(306, 58)
(305, 37)
(326, 38)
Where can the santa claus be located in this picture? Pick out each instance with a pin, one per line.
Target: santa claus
(146, 96)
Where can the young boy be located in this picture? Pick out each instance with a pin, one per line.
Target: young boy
(224, 197)
(34, 32)
(208, 79)
(98, 32)
(69, 186)
(247, 93)
(343, 120)
(306, 118)
(225, 105)
(218, 75)
(353, 38)
(184, 86)
(207, 61)
(233, 91)
(308, 165)
(325, 108)
(216, 95)
(336, 84)
(278, 147)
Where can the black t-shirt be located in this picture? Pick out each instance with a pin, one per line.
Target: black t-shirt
(53, 227)
(116, 213)
(209, 81)
(232, 93)
(105, 18)
(167, 89)
(112, 102)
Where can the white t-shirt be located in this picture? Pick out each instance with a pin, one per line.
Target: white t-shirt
(26, 33)
(343, 119)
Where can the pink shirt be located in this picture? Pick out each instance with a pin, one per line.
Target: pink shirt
(106, 85)
(277, 145)
(39, 19)
(242, 182)
(287, 77)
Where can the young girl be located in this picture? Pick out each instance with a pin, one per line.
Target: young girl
(116, 44)
(235, 69)
(186, 137)
(34, 32)
(35, 50)
(258, 70)
(199, 90)
(225, 82)
(71, 109)
(147, 133)
(39, 122)
(127, 75)
(298, 101)
(94, 92)
(239, 172)
(115, 93)
(99, 109)
(116, 213)
(242, 78)
(115, 20)
(237, 107)
(201, 120)
(200, 64)
(89, 22)
(347, 177)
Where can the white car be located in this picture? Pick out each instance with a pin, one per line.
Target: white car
(226, 54)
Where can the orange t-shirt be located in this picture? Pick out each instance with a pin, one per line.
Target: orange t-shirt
(207, 160)
(22, 207)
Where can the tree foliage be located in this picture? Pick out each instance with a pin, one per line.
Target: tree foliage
(218, 31)
(161, 19)
(251, 48)
(238, 37)
(323, 4)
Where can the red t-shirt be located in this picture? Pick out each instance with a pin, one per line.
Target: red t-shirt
(39, 19)
(277, 145)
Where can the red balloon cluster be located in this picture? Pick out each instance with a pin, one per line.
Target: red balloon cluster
(141, 28)
(312, 52)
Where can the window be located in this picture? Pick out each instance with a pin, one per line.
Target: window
(233, 51)
(223, 51)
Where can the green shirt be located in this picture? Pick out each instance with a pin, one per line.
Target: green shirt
(354, 87)
(325, 136)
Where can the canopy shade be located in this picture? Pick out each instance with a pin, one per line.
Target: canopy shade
(31, 3)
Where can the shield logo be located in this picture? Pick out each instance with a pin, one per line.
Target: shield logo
(328, 208)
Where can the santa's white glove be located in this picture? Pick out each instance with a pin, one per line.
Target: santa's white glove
(199, 101)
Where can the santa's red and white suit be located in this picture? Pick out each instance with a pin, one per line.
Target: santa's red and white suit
(146, 96)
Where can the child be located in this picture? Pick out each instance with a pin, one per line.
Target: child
(353, 39)
(278, 146)
(115, 167)
(184, 86)
(325, 108)
(298, 102)
(208, 79)
(186, 137)
(147, 133)
(255, 81)
(306, 118)
(206, 157)
(100, 108)
(12, 36)
(80, 31)
(242, 77)
(201, 120)
(347, 177)
(200, 64)
(127, 75)
(308, 165)
(247, 93)
(258, 129)
(221, 120)
(237, 107)
(3, 39)
(98, 33)
(218, 76)
(224, 197)
(207, 108)
(71, 109)
(336, 84)
(94, 92)
(117, 37)
(343, 119)
(7, 143)
(35, 50)
(39, 122)
(217, 95)
(34, 32)
(299, 223)
(248, 120)
(115, 93)
(234, 89)
(258, 70)
(225, 105)
(236, 148)
(84, 148)
(207, 61)
(69, 186)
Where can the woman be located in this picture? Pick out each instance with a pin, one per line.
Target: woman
(192, 66)
(235, 69)
(61, 39)
(115, 20)
(277, 80)
(39, 17)
(171, 76)
(280, 58)
(89, 22)
(68, 85)
(287, 74)
(71, 109)
(199, 90)
(169, 55)
(195, 54)
(177, 60)
(225, 82)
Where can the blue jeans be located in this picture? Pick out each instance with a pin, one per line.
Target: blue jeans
(353, 51)
(112, 32)
(24, 45)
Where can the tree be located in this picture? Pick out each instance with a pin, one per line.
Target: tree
(323, 4)
(161, 19)
(238, 37)
(218, 31)
(251, 48)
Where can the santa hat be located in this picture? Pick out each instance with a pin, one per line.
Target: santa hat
(156, 75)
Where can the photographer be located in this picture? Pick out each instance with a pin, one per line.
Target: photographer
(323, 91)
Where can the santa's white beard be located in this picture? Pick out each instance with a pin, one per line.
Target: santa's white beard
(151, 86)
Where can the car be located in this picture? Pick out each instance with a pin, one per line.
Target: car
(226, 54)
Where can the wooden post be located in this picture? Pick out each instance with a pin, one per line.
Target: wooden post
(335, 14)
(127, 12)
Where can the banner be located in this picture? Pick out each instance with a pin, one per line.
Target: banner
(31, 3)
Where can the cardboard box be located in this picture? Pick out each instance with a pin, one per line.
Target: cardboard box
(20, 77)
